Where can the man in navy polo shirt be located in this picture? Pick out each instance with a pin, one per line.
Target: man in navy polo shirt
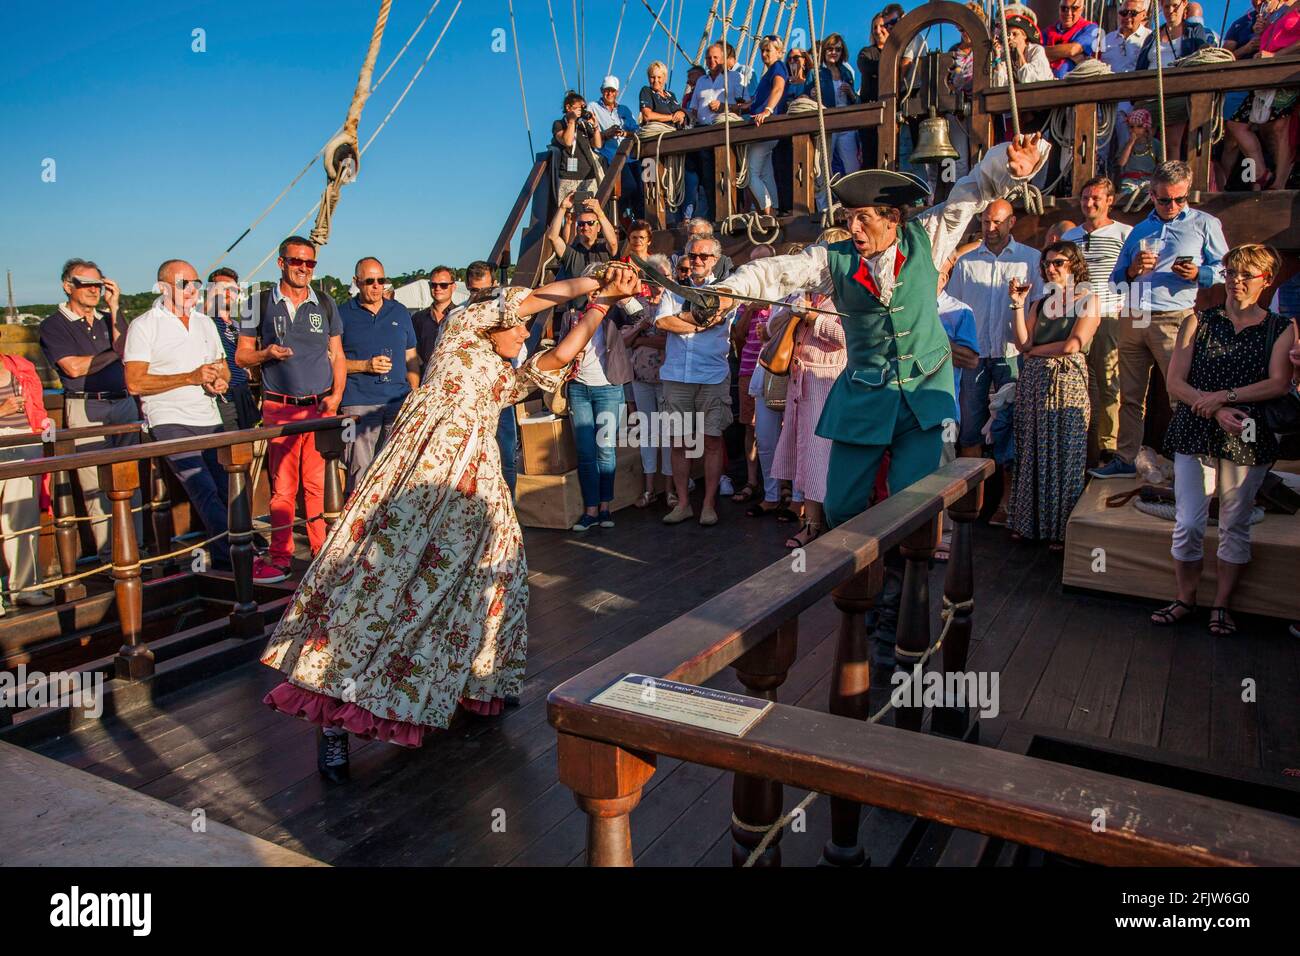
(303, 376)
(86, 348)
(376, 331)
(237, 407)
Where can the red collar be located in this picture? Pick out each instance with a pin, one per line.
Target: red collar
(863, 275)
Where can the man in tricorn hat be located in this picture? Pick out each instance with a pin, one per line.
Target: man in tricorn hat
(896, 392)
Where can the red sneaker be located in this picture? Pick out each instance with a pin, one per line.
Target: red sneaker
(267, 572)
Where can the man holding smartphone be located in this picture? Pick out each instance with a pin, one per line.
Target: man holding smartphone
(1167, 257)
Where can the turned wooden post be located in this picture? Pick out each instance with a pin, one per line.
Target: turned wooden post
(958, 588)
(756, 802)
(724, 182)
(67, 540)
(245, 620)
(329, 442)
(914, 611)
(1085, 145)
(850, 686)
(606, 781)
(1200, 139)
(160, 517)
(805, 176)
(120, 482)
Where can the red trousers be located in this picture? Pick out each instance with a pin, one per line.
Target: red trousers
(294, 460)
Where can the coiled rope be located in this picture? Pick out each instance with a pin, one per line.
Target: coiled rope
(770, 833)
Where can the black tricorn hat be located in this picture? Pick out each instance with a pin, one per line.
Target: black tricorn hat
(880, 187)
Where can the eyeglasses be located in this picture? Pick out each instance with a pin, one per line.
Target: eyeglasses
(1232, 274)
(299, 263)
(441, 285)
(1056, 263)
(586, 222)
(700, 255)
(371, 280)
(189, 285)
(1129, 13)
(1171, 200)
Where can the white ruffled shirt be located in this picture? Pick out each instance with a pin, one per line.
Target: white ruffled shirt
(778, 276)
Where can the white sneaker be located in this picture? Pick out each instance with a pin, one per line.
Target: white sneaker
(725, 487)
(35, 598)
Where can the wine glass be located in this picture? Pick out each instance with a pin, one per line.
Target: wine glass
(387, 353)
(281, 325)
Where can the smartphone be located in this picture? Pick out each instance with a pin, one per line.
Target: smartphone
(1184, 261)
(582, 196)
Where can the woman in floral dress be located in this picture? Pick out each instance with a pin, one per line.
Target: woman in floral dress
(417, 601)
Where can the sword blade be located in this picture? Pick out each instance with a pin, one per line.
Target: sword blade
(692, 295)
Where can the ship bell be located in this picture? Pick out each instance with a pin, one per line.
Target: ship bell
(932, 143)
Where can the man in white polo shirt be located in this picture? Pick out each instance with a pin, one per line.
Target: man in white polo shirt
(175, 362)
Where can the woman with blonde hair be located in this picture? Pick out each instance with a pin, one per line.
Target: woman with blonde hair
(1227, 360)
(769, 100)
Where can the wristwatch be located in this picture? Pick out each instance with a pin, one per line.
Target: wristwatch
(1232, 395)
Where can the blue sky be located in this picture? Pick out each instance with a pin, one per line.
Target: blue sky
(163, 152)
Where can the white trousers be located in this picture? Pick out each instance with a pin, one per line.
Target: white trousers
(649, 398)
(762, 175)
(767, 429)
(19, 511)
(1195, 479)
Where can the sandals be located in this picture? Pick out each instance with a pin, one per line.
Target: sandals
(1166, 616)
(646, 499)
(806, 535)
(758, 511)
(745, 494)
(1220, 626)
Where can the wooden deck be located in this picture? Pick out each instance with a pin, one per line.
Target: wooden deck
(485, 793)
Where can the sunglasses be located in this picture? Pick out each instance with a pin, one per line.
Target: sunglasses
(586, 222)
(1056, 263)
(189, 284)
(700, 255)
(441, 285)
(382, 280)
(1129, 13)
(1172, 200)
(299, 263)
(88, 283)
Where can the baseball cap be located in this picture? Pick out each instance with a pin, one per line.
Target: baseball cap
(609, 83)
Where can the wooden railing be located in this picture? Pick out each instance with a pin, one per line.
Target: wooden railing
(119, 477)
(607, 755)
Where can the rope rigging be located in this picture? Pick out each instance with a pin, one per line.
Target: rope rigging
(649, 36)
(519, 67)
(556, 37)
(342, 157)
(433, 49)
(618, 31)
(317, 155)
(758, 32)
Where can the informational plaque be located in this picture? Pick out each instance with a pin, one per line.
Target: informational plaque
(703, 707)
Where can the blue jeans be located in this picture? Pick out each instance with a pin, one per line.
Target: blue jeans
(204, 480)
(508, 444)
(595, 410)
(976, 383)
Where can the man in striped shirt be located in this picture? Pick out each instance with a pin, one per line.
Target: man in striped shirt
(237, 407)
(1101, 239)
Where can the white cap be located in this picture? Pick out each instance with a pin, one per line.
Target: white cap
(609, 83)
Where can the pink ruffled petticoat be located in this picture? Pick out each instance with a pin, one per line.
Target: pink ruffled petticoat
(329, 711)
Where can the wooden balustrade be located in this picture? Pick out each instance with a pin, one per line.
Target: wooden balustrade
(119, 476)
(606, 755)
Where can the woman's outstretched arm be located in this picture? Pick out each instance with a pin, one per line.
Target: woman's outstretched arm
(620, 282)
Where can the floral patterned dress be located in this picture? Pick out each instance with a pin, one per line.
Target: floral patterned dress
(417, 601)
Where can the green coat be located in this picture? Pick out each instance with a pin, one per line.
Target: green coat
(896, 353)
